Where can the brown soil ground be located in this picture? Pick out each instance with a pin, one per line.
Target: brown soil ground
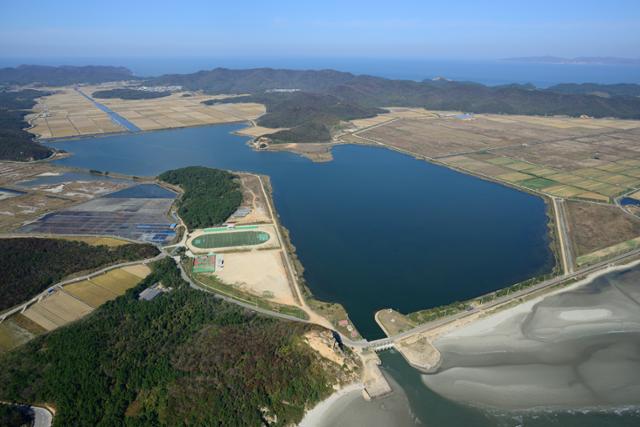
(594, 226)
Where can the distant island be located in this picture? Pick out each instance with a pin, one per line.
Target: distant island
(580, 60)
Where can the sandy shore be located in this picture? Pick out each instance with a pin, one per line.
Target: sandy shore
(315, 416)
(575, 347)
(490, 322)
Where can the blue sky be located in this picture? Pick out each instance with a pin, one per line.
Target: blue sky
(461, 29)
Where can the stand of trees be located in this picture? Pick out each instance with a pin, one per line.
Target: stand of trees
(128, 94)
(310, 116)
(210, 195)
(29, 265)
(184, 358)
(324, 97)
(15, 416)
(16, 143)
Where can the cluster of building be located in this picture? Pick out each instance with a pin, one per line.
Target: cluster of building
(159, 88)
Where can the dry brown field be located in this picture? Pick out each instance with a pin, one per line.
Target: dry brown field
(176, 111)
(595, 226)
(67, 113)
(100, 289)
(75, 301)
(592, 159)
(57, 310)
(260, 273)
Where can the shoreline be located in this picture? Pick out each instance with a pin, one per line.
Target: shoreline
(491, 320)
(314, 416)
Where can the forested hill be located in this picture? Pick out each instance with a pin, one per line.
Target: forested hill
(620, 89)
(15, 142)
(369, 91)
(210, 195)
(183, 359)
(62, 75)
(28, 266)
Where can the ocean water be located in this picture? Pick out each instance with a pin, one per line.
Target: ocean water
(373, 228)
(490, 72)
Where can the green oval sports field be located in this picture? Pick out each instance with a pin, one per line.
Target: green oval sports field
(225, 240)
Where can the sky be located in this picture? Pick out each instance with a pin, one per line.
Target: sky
(462, 29)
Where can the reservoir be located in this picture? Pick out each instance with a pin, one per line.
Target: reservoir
(373, 228)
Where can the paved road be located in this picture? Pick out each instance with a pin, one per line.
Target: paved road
(18, 308)
(43, 418)
(566, 251)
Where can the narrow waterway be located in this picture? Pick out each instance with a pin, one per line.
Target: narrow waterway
(115, 117)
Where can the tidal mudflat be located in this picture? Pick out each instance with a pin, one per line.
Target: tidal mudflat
(575, 349)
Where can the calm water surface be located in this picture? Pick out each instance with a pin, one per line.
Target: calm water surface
(373, 228)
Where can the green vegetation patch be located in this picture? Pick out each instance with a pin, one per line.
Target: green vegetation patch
(514, 177)
(537, 183)
(614, 167)
(633, 172)
(610, 190)
(609, 252)
(521, 166)
(359, 91)
(590, 173)
(225, 240)
(16, 143)
(501, 161)
(543, 172)
(184, 358)
(15, 416)
(124, 93)
(310, 117)
(29, 265)
(210, 195)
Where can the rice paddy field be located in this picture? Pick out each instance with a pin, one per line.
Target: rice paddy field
(73, 302)
(66, 113)
(177, 110)
(576, 158)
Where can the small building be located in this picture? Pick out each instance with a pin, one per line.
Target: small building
(153, 291)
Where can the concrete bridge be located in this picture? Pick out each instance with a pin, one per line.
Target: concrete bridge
(375, 345)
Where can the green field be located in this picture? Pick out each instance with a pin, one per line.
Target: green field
(226, 240)
(537, 183)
